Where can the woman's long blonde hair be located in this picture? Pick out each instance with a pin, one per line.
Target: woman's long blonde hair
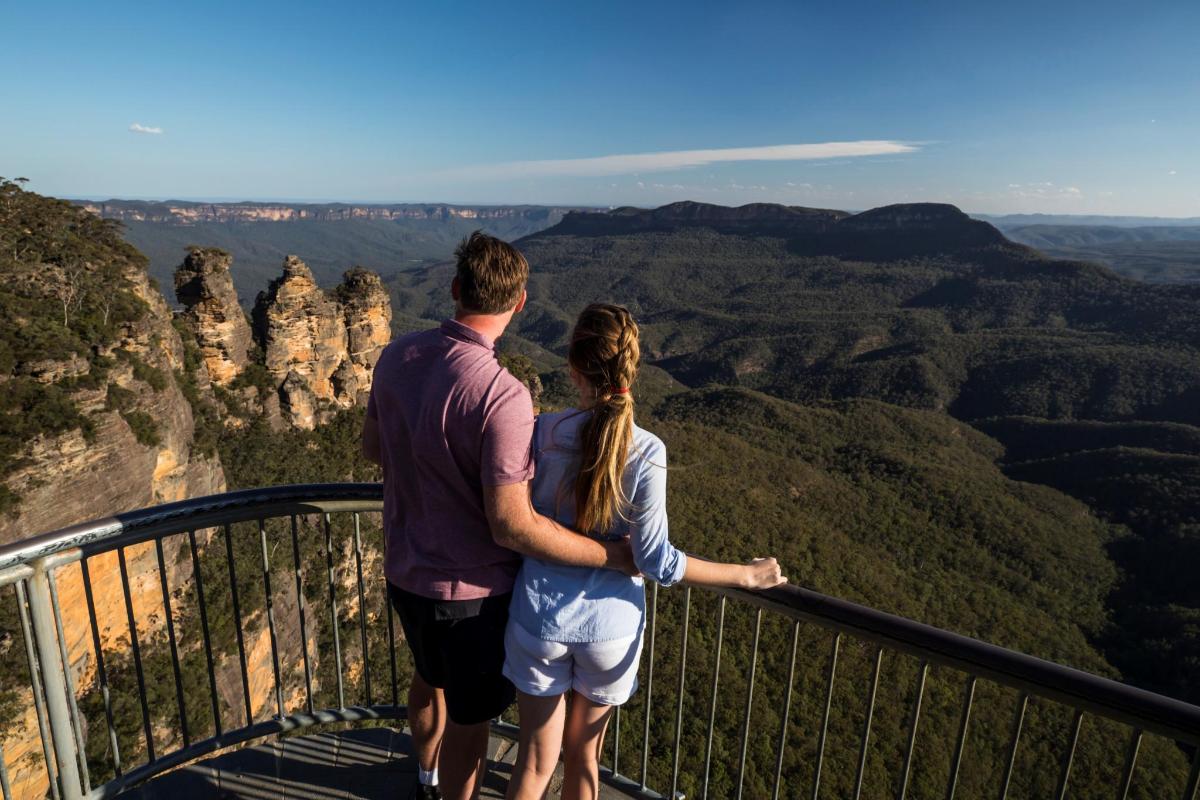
(604, 351)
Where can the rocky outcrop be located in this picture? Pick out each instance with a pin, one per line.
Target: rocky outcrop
(204, 287)
(319, 349)
(303, 338)
(367, 313)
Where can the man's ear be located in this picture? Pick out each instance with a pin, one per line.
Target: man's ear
(455, 289)
(521, 303)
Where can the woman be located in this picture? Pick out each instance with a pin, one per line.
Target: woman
(577, 630)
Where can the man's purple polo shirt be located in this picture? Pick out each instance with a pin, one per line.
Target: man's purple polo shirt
(451, 421)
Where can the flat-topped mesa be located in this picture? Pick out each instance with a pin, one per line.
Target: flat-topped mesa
(204, 287)
(928, 218)
(755, 217)
(887, 233)
(318, 348)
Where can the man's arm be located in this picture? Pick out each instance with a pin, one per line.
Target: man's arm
(518, 526)
(370, 440)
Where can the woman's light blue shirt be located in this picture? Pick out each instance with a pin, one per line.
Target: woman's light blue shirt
(577, 604)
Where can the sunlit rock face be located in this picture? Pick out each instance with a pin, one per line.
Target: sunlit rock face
(367, 312)
(319, 347)
(204, 287)
(67, 478)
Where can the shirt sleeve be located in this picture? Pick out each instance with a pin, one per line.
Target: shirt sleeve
(507, 452)
(653, 552)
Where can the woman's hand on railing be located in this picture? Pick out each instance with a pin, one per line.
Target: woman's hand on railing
(762, 573)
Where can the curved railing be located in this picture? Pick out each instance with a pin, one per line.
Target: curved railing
(327, 532)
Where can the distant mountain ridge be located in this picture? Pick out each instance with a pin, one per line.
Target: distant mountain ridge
(1151, 253)
(386, 238)
(1049, 236)
(1007, 221)
(182, 212)
(897, 231)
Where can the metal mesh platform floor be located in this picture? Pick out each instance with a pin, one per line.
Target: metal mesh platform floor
(366, 763)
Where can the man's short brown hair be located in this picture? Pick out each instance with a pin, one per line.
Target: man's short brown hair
(491, 274)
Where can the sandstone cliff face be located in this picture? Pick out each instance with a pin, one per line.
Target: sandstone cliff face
(65, 479)
(320, 349)
(204, 287)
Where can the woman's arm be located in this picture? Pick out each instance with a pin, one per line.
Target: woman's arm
(656, 558)
(759, 573)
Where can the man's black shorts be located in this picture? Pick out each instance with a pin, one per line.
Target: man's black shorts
(458, 647)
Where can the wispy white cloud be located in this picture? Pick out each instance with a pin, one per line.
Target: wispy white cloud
(138, 127)
(638, 163)
(1044, 190)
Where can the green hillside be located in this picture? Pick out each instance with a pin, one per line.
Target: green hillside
(904, 510)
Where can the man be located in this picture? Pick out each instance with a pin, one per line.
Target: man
(452, 430)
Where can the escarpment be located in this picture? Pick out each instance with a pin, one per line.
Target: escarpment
(96, 418)
(134, 442)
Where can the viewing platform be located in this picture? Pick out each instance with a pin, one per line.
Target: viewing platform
(154, 643)
(367, 763)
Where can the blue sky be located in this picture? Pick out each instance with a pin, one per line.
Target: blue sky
(1057, 107)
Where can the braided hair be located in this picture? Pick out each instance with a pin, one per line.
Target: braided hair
(604, 350)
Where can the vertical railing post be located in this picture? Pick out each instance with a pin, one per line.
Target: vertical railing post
(58, 709)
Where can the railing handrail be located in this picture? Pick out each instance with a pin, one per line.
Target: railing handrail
(1161, 714)
(1105, 697)
(199, 512)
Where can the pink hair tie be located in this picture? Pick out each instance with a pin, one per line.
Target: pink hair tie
(621, 390)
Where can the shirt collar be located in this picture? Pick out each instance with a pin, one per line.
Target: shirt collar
(466, 333)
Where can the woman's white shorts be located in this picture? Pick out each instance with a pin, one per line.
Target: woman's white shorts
(603, 672)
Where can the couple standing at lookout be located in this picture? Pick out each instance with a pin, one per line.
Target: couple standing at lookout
(517, 546)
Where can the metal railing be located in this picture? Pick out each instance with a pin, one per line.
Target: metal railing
(682, 727)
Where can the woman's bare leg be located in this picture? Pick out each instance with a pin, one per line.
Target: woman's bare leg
(582, 739)
(539, 744)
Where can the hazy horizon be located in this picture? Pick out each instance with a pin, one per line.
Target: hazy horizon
(468, 203)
